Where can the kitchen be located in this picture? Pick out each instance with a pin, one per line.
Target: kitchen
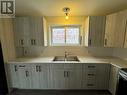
(65, 47)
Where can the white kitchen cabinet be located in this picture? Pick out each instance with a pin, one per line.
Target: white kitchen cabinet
(113, 79)
(21, 34)
(57, 76)
(110, 30)
(73, 76)
(40, 76)
(115, 32)
(66, 76)
(38, 32)
(94, 31)
(30, 31)
(25, 76)
(13, 75)
(95, 76)
(60, 76)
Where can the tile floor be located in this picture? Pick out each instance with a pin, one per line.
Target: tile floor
(59, 92)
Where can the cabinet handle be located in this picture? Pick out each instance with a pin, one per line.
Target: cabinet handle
(68, 73)
(91, 66)
(91, 74)
(21, 65)
(105, 42)
(39, 68)
(31, 41)
(15, 68)
(64, 73)
(90, 84)
(22, 42)
(89, 42)
(27, 73)
(34, 42)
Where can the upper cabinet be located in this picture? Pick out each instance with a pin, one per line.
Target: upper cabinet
(30, 31)
(115, 32)
(94, 31)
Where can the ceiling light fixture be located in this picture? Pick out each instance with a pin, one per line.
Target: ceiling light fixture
(66, 11)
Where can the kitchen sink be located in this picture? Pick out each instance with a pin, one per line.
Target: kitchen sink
(63, 58)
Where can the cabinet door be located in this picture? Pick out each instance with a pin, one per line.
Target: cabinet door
(73, 76)
(24, 76)
(57, 76)
(21, 28)
(37, 31)
(120, 29)
(40, 76)
(58, 80)
(94, 31)
(102, 76)
(13, 74)
(113, 79)
(110, 30)
(73, 79)
(96, 28)
(35, 76)
(44, 76)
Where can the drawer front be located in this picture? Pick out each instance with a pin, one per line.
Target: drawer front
(89, 66)
(89, 84)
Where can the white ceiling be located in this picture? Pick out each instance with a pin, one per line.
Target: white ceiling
(78, 7)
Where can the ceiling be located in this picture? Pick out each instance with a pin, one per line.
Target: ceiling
(78, 7)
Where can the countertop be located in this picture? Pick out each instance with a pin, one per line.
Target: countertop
(108, 60)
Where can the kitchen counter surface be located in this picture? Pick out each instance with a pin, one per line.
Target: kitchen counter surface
(109, 60)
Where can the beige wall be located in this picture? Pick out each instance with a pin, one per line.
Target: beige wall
(120, 52)
(6, 38)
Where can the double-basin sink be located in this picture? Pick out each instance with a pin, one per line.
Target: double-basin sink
(68, 58)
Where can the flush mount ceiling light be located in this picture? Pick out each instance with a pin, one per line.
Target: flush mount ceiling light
(66, 11)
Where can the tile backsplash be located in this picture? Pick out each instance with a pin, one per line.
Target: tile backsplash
(60, 50)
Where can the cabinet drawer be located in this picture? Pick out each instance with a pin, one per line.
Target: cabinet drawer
(89, 85)
(89, 67)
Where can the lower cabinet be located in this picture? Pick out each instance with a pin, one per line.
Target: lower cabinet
(95, 76)
(59, 76)
(25, 76)
(13, 75)
(66, 76)
(113, 79)
(40, 76)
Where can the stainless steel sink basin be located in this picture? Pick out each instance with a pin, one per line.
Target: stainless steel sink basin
(62, 58)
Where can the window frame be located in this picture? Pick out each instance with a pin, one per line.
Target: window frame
(65, 27)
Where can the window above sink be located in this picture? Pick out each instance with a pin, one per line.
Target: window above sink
(65, 35)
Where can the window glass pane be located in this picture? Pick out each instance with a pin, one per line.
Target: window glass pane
(72, 35)
(58, 35)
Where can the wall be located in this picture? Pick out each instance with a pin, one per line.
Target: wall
(77, 50)
(6, 38)
(120, 52)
